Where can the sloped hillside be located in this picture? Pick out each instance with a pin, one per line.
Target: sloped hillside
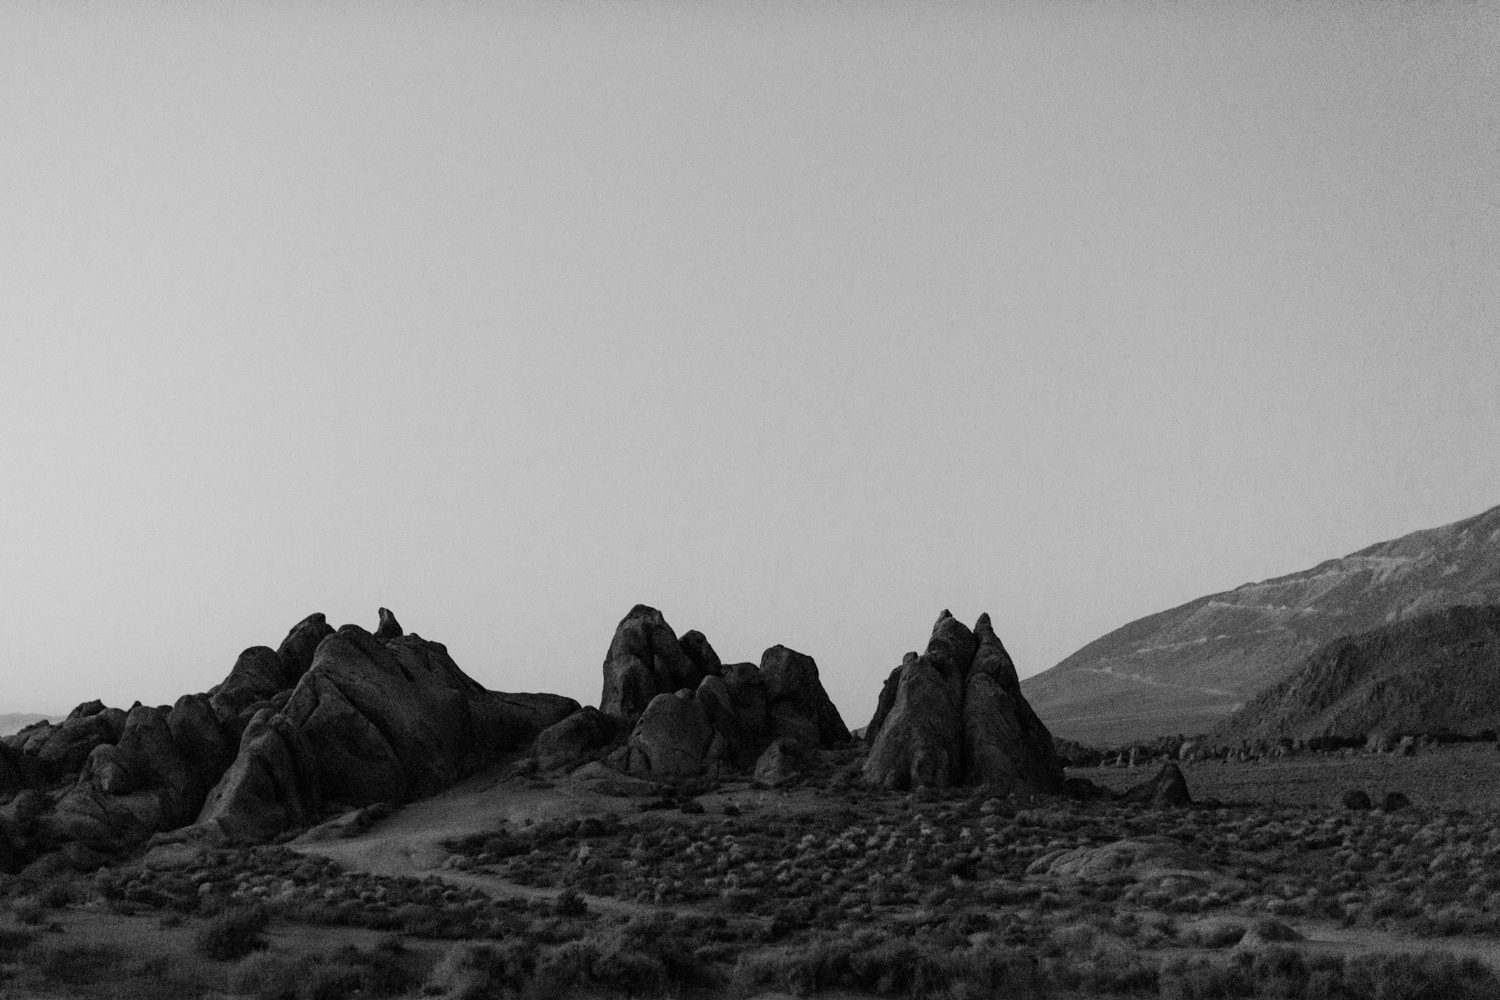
(1184, 669)
(1437, 672)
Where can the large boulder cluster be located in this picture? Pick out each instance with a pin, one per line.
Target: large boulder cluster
(344, 717)
(683, 714)
(337, 720)
(955, 715)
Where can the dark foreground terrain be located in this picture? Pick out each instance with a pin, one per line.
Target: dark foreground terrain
(594, 885)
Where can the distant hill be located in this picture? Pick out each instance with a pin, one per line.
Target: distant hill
(1436, 672)
(14, 722)
(1184, 669)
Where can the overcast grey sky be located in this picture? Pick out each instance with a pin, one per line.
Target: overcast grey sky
(800, 322)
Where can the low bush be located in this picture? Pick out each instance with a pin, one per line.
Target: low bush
(233, 934)
(92, 970)
(1217, 936)
(873, 963)
(1284, 972)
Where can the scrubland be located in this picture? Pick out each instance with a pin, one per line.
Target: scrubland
(824, 887)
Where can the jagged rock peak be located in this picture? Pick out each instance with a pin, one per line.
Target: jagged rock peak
(956, 715)
(389, 628)
(687, 712)
(301, 644)
(644, 660)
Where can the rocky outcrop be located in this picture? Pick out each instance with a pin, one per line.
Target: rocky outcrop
(887, 701)
(45, 753)
(644, 660)
(1169, 789)
(574, 740)
(920, 743)
(751, 704)
(271, 786)
(376, 718)
(672, 739)
(297, 650)
(11, 778)
(347, 717)
(718, 715)
(257, 676)
(129, 790)
(1005, 744)
(799, 708)
(782, 763)
(957, 716)
(700, 654)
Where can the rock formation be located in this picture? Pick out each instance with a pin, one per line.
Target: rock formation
(956, 715)
(1168, 789)
(716, 715)
(574, 740)
(644, 660)
(798, 707)
(345, 717)
(782, 762)
(672, 739)
(383, 717)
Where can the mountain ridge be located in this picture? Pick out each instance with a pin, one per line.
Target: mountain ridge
(1433, 673)
(1183, 669)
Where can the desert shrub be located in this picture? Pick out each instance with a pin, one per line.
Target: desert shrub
(873, 963)
(55, 895)
(1205, 981)
(29, 911)
(233, 934)
(1420, 977)
(268, 977)
(12, 942)
(570, 903)
(79, 965)
(1107, 972)
(99, 970)
(1218, 936)
(466, 970)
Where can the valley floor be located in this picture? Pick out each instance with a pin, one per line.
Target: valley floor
(513, 885)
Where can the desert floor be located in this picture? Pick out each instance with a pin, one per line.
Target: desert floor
(513, 885)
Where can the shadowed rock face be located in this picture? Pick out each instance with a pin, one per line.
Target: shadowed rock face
(149, 770)
(348, 717)
(1005, 744)
(672, 739)
(782, 762)
(955, 715)
(695, 647)
(799, 708)
(888, 692)
(1169, 789)
(271, 786)
(301, 644)
(645, 660)
(257, 676)
(376, 719)
(744, 707)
